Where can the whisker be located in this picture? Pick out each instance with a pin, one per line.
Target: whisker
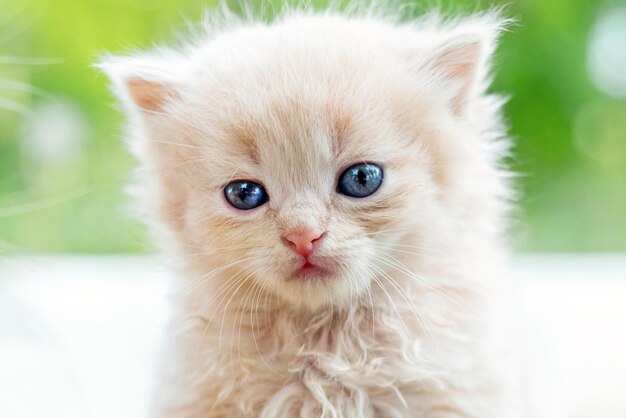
(257, 296)
(241, 306)
(384, 231)
(225, 288)
(191, 123)
(178, 144)
(222, 291)
(211, 250)
(389, 298)
(422, 251)
(371, 300)
(233, 293)
(404, 270)
(410, 303)
(202, 279)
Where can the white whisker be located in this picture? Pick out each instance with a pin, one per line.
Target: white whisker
(398, 266)
(409, 302)
(390, 299)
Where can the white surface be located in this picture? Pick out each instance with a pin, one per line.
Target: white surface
(79, 335)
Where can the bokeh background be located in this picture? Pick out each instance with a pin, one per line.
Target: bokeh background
(63, 166)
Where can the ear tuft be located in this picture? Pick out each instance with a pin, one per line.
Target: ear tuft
(149, 95)
(144, 84)
(461, 61)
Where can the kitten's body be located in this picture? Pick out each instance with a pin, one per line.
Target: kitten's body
(407, 323)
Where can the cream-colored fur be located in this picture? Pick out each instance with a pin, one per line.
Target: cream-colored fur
(411, 323)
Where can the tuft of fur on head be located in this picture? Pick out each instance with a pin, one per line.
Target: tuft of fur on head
(290, 104)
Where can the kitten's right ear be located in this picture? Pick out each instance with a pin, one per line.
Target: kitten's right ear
(144, 84)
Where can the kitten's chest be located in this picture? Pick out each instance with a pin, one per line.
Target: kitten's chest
(345, 350)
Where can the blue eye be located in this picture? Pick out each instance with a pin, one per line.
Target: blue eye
(360, 180)
(245, 195)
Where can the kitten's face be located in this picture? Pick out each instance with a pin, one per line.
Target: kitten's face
(298, 167)
(305, 190)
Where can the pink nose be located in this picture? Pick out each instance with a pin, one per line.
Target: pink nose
(303, 241)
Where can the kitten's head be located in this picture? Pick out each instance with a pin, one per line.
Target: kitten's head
(300, 156)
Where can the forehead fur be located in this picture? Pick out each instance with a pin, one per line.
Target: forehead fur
(296, 90)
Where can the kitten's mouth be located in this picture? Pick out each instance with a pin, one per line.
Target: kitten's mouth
(310, 271)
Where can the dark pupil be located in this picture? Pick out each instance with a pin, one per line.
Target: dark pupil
(248, 194)
(362, 176)
(244, 192)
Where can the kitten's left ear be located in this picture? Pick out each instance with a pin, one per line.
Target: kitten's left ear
(143, 84)
(462, 60)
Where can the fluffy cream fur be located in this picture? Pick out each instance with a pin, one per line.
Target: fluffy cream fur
(410, 324)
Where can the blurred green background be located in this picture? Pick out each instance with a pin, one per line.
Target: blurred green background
(63, 166)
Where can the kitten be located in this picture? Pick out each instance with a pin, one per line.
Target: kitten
(330, 185)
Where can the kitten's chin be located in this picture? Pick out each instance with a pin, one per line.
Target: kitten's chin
(313, 286)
